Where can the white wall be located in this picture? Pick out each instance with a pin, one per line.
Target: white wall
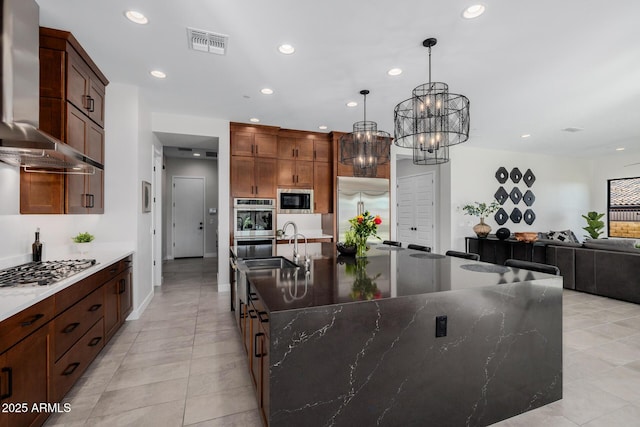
(200, 168)
(562, 189)
(204, 126)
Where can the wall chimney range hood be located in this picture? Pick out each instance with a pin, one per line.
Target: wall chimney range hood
(21, 142)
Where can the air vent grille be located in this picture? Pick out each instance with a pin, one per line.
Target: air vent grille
(207, 41)
(212, 154)
(185, 149)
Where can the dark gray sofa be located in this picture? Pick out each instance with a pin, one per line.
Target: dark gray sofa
(606, 267)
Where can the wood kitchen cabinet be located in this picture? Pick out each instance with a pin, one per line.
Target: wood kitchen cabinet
(258, 344)
(24, 371)
(295, 173)
(295, 149)
(322, 188)
(251, 144)
(72, 96)
(253, 177)
(118, 301)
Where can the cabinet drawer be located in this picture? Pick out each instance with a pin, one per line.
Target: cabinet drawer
(71, 366)
(18, 326)
(69, 296)
(73, 323)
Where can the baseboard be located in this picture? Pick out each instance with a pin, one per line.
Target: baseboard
(211, 255)
(135, 314)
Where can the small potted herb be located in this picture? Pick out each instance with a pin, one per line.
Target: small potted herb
(348, 247)
(83, 242)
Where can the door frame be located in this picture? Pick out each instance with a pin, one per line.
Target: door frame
(156, 216)
(173, 212)
(434, 211)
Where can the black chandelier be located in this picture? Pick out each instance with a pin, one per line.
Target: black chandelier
(366, 147)
(432, 120)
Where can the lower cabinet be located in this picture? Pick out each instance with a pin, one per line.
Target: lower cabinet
(45, 348)
(258, 354)
(24, 381)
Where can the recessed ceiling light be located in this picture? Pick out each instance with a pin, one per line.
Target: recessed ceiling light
(526, 135)
(352, 104)
(136, 17)
(254, 120)
(196, 154)
(322, 127)
(473, 11)
(620, 149)
(158, 74)
(394, 72)
(286, 49)
(266, 91)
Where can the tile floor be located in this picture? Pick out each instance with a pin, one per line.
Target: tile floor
(181, 364)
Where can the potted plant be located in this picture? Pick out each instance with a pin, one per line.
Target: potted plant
(83, 242)
(594, 224)
(348, 247)
(481, 210)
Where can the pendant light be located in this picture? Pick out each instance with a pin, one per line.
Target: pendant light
(432, 120)
(366, 147)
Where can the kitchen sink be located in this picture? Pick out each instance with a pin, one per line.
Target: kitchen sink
(268, 263)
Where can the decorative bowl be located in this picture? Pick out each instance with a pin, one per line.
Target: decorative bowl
(346, 250)
(527, 237)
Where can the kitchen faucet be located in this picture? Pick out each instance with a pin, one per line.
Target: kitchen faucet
(296, 255)
(295, 238)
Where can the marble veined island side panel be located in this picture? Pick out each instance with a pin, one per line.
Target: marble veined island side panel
(379, 363)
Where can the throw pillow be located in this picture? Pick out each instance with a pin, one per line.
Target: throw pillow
(561, 236)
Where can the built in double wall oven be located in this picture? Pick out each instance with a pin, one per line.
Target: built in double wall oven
(254, 233)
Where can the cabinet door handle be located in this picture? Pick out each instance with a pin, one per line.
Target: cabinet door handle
(253, 296)
(293, 178)
(121, 286)
(70, 328)
(113, 271)
(86, 99)
(257, 189)
(9, 393)
(293, 152)
(91, 104)
(70, 369)
(314, 154)
(95, 307)
(297, 153)
(257, 150)
(263, 313)
(241, 310)
(251, 148)
(33, 320)
(255, 345)
(252, 314)
(94, 342)
(91, 201)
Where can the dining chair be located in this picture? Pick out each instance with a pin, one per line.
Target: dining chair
(419, 247)
(533, 266)
(464, 255)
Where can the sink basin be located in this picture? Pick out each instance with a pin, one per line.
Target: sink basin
(269, 263)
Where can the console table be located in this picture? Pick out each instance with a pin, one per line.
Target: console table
(496, 251)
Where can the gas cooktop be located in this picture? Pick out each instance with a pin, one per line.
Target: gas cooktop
(42, 273)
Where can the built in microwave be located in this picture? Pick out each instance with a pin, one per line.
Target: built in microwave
(295, 200)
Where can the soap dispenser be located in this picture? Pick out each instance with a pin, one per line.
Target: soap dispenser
(36, 247)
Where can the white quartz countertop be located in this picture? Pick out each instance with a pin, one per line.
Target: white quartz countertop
(13, 300)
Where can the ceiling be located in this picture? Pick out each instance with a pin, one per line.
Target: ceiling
(533, 67)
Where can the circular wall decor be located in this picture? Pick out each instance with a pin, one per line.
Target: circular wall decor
(529, 178)
(529, 217)
(502, 175)
(501, 216)
(515, 195)
(503, 233)
(516, 215)
(501, 195)
(516, 175)
(529, 198)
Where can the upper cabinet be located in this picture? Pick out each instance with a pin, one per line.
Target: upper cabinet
(72, 96)
(250, 144)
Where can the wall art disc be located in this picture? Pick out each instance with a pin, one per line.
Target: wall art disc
(502, 175)
(516, 175)
(501, 195)
(516, 215)
(515, 195)
(529, 216)
(501, 216)
(529, 198)
(529, 178)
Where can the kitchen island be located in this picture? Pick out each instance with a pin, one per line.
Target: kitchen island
(347, 342)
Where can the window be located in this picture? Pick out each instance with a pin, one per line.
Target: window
(624, 207)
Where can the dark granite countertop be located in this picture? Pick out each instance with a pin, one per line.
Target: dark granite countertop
(387, 272)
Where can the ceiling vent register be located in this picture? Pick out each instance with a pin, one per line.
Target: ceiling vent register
(207, 41)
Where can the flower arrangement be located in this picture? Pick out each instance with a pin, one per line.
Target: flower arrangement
(363, 226)
(481, 210)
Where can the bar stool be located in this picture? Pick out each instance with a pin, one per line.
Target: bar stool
(419, 247)
(533, 266)
(463, 255)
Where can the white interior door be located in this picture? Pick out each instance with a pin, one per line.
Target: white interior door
(416, 209)
(188, 217)
(156, 212)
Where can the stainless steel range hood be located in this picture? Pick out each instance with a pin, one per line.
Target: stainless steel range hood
(21, 142)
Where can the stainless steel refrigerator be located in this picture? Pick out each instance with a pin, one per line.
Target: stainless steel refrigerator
(356, 195)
